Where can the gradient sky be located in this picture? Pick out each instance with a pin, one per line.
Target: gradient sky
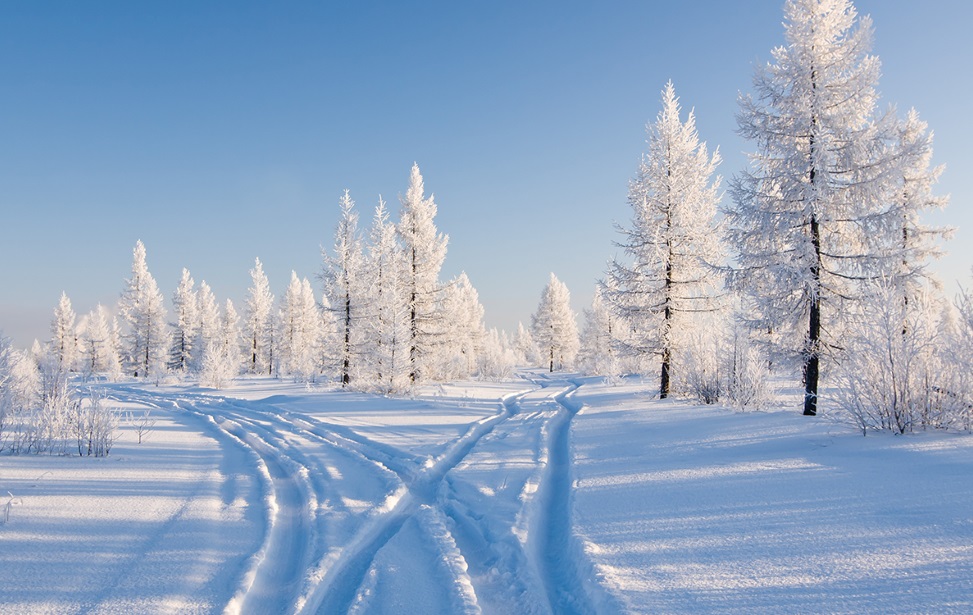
(219, 132)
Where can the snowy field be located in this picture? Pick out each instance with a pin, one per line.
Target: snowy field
(536, 495)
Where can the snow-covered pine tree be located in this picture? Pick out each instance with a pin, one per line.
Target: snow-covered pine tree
(808, 214)
(300, 331)
(260, 322)
(597, 355)
(346, 288)
(64, 336)
(425, 251)
(142, 307)
(465, 330)
(912, 243)
(99, 345)
(525, 348)
(222, 355)
(672, 242)
(388, 327)
(554, 327)
(232, 340)
(185, 303)
(209, 327)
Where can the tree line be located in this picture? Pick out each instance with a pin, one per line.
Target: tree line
(816, 265)
(819, 260)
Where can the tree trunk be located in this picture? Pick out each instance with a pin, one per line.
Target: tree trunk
(811, 356)
(346, 364)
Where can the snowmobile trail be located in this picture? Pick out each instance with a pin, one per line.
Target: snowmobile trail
(560, 557)
(347, 574)
(334, 499)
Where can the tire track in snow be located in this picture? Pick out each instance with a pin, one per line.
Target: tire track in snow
(561, 562)
(275, 575)
(348, 573)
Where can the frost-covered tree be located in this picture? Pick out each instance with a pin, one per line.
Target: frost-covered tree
(185, 303)
(911, 243)
(554, 327)
(524, 347)
(300, 331)
(388, 326)
(232, 338)
(597, 354)
(64, 336)
(671, 244)
(425, 251)
(260, 322)
(498, 358)
(208, 328)
(465, 330)
(222, 356)
(99, 344)
(346, 286)
(142, 307)
(810, 215)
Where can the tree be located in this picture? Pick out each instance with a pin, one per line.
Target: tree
(525, 348)
(222, 357)
(64, 336)
(142, 307)
(672, 241)
(99, 344)
(209, 338)
(809, 216)
(465, 332)
(345, 284)
(425, 251)
(388, 326)
(300, 331)
(186, 305)
(554, 327)
(597, 354)
(260, 322)
(911, 243)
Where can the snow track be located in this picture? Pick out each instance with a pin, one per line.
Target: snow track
(343, 512)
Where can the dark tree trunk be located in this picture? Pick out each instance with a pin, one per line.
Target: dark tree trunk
(811, 355)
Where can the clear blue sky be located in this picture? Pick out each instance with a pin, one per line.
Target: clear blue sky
(217, 132)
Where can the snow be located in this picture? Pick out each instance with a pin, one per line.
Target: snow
(546, 493)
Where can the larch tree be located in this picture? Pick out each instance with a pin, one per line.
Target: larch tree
(208, 340)
(259, 322)
(142, 308)
(465, 330)
(388, 327)
(524, 346)
(64, 336)
(300, 331)
(597, 354)
(185, 303)
(672, 243)
(99, 344)
(911, 243)
(346, 287)
(810, 216)
(425, 251)
(554, 327)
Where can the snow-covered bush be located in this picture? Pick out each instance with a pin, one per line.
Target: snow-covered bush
(701, 362)
(893, 375)
(95, 426)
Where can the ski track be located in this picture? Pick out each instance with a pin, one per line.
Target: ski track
(560, 557)
(298, 568)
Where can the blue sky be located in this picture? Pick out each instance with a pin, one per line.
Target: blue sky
(219, 132)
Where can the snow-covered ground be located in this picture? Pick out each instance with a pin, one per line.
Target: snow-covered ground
(542, 494)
